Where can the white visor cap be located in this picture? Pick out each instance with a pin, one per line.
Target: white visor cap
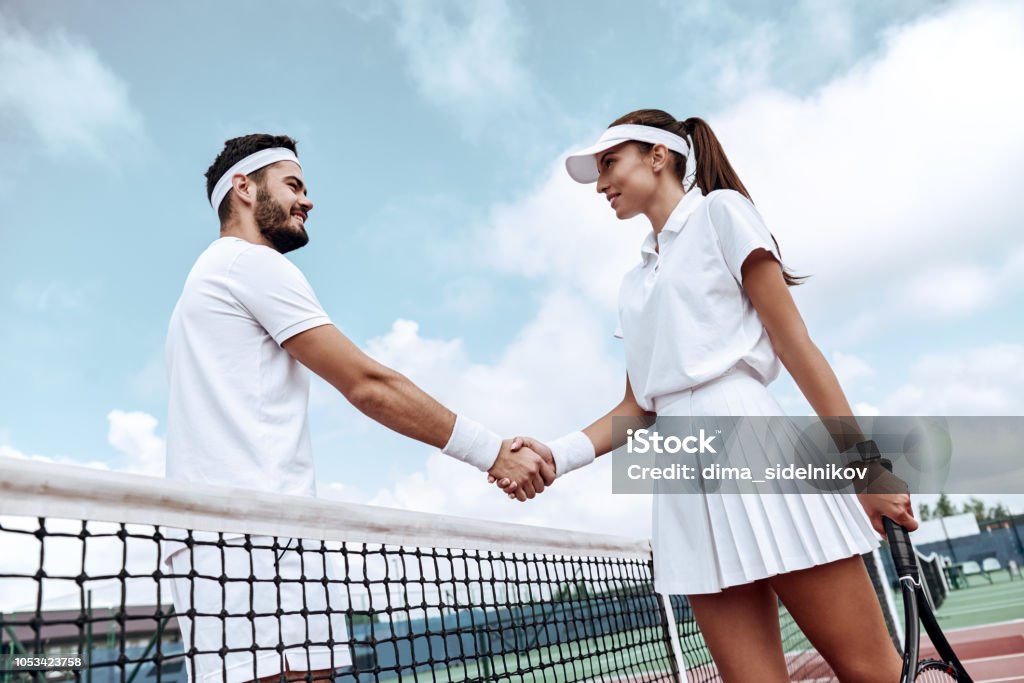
(582, 165)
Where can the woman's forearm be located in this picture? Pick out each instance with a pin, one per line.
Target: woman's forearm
(603, 433)
(816, 379)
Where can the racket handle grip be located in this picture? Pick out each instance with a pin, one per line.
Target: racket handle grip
(903, 555)
(901, 548)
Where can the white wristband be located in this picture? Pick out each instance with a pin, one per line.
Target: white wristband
(571, 452)
(473, 444)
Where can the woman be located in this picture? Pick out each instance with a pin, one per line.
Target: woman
(707, 319)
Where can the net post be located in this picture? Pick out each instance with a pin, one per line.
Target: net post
(3, 649)
(673, 637)
(890, 600)
(88, 635)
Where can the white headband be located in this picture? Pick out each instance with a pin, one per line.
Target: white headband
(253, 162)
(582, 165)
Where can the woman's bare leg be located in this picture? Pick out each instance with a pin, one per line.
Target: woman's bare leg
(835, 606)
(741, 628)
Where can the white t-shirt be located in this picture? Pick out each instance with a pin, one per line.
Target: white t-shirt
(237, 409)
(683, 314)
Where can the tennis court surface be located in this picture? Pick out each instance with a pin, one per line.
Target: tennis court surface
(422, 597)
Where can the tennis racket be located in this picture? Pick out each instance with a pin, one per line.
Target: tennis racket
(917, 611)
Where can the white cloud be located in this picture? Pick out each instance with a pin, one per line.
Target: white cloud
(337, 490)
(866, 409)
(980, 381)
(8, 451)
(849, 368)
(954, 290)
(730, 47)
(945, 292)
(429, 361)
(59, 88)
(52, 296)
(134, 435)
(900, 165)
(463, 53)
(563, 233)
(467, 59)
(747, 64)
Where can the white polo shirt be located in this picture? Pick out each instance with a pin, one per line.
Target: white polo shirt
(237, 407)
(683, 314)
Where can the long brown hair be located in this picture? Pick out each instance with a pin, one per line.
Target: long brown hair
(713, 170)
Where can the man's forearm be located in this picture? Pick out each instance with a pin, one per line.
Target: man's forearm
(394, 401)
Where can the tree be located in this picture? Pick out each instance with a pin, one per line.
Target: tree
(944, 507)
(925, 511)
(998, 512)
(975, 507)
(983, 514)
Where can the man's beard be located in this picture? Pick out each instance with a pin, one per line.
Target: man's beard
(274, 224)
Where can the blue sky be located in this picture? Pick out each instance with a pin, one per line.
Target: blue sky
(881, 142)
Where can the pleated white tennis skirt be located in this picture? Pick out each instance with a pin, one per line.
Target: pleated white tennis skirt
(705, 542)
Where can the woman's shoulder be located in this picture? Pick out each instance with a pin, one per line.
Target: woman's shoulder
(727, 208)
(724, 200)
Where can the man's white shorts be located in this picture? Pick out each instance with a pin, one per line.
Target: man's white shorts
(240, 630)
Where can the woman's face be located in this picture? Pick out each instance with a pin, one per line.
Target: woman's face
(626, 179)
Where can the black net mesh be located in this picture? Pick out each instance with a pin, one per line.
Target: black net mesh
(933, 579)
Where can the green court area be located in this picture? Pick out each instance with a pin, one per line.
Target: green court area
(982, 602)
(629, 655)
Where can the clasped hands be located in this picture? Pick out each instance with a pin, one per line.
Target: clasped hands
(523, 469)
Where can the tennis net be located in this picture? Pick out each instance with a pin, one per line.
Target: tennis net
(933, 578)
(268, 583)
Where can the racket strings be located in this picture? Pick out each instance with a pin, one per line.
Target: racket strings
(935, 671)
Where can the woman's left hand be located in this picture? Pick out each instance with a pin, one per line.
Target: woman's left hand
(895, 506)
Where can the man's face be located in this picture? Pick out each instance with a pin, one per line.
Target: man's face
(282, 206)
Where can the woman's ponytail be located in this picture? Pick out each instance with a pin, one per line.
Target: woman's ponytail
(713, 170)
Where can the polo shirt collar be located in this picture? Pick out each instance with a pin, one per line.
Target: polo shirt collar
(676, 220)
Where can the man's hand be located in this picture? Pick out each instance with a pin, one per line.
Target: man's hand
(526, 472)
(510, 486)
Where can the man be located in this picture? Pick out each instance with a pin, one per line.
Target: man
(246, 323)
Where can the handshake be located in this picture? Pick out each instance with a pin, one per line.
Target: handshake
(523, 469)
(524, 466)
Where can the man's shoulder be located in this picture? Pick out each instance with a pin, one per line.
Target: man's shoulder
(231, 248)
(233, 256)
